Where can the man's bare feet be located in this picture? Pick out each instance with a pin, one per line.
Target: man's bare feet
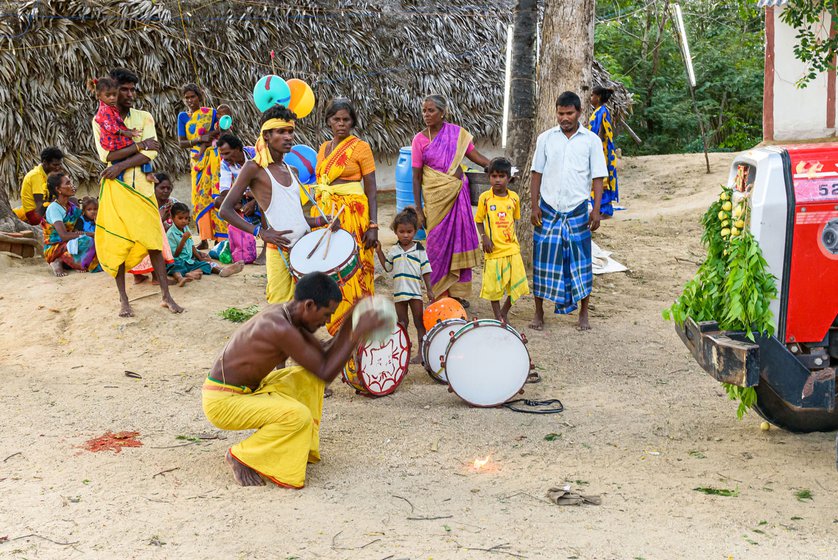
(583, 325)
(537, 324)
(183, 281)
(416, 359)
(195, 275)
(260, 259)
(139, 278)
(57, 268)
(170, 280)
(125, 309)
(243, 474)
(231, 269)
(327, 392)
(170, 303)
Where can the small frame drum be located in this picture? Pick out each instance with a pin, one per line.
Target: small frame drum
(377, 369)
(340, 261)
(435, 342)
(486, 363)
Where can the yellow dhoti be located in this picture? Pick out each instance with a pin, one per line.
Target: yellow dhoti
(504, 275)
(281, 284)
(285, 411)
(128, 223)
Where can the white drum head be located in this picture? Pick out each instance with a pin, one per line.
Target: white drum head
(486, 364)
(341, 248)
(436, 341)
(385, 309)
(382, 367)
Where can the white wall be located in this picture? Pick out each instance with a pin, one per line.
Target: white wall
(798, 113)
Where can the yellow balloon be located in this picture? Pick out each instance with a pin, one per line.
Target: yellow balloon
(302, 98)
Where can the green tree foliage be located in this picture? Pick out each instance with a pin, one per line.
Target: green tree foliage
(814, 45)
(636, 41)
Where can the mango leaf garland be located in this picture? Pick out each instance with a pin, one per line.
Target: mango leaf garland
(732, 286)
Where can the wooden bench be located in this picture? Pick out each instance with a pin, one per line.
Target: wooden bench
(20, 245)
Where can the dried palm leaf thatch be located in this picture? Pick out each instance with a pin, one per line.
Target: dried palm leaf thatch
(620, 103)
(384, 55)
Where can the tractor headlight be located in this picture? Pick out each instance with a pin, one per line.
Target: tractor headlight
(829, 238)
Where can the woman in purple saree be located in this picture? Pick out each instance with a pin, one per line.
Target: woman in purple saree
(437, 154)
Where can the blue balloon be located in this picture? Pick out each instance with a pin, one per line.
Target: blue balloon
(304, 160)
(269, 91)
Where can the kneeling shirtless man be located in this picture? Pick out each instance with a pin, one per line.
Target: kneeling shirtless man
(244, 392)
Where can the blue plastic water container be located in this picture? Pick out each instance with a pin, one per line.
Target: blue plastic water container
(404, 184)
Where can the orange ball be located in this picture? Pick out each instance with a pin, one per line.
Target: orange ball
(442, 309)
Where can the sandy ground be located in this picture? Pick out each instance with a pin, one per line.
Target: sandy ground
(643, 427)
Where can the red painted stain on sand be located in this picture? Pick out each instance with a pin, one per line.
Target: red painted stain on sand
(110, 441)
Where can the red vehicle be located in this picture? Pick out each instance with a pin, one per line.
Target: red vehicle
(793, 193)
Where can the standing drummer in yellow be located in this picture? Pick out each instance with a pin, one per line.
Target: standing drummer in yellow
(278, 192)
(503, 267)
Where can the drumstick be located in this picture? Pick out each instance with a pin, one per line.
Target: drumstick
(313, 201)
(329, 240)
(316, 245)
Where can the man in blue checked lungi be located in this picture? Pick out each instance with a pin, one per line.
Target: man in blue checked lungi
(568, 159)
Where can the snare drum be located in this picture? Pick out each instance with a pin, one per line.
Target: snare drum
(434, 345)
(340, 262)
(486, 363)
(376, 369)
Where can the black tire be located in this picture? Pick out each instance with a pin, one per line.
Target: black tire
(782, 415)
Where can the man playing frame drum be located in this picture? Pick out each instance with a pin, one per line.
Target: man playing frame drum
(243, 390)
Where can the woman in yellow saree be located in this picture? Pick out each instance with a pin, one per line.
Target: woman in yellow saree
(346, 177)
(197, 128)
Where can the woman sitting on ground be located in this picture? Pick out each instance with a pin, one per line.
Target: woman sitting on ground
(66, 244)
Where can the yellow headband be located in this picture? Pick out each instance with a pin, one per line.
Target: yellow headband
(263, 153)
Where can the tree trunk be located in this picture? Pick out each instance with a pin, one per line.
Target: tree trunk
(522, 82)
(567, 52)
(522, 96)
(8, 220)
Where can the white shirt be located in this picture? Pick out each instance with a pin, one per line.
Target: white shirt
(230, 172)
(567, 166)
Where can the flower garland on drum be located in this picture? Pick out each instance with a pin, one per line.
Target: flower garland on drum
(733, 286)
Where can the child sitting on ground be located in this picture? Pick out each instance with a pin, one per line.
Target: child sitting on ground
(408, 265)
(89, 209)
(503, 267)
(189, 264)
(113, 134)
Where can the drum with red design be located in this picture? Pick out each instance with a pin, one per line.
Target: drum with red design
(377, 368)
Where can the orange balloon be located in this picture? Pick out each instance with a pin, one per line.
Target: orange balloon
(302, 98)
(442, 309)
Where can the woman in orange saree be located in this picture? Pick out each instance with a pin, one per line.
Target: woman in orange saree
(346, 177)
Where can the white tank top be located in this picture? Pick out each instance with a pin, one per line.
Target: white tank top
(286, 210)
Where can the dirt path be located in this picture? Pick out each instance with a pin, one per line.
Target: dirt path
(643, 427)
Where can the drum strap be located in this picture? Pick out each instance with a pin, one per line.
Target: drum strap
(535, 407)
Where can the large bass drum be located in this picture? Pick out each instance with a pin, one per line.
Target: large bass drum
(487, 363)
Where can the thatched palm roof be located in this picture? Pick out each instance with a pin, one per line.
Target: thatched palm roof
(384, 55)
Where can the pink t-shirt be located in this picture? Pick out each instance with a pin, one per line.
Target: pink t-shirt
(417, 149)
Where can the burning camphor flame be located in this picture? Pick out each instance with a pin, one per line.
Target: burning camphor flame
(480, 463)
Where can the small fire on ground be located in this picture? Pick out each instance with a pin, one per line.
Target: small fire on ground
(483, 465)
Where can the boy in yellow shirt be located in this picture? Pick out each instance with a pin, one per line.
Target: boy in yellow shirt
(503, 268)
